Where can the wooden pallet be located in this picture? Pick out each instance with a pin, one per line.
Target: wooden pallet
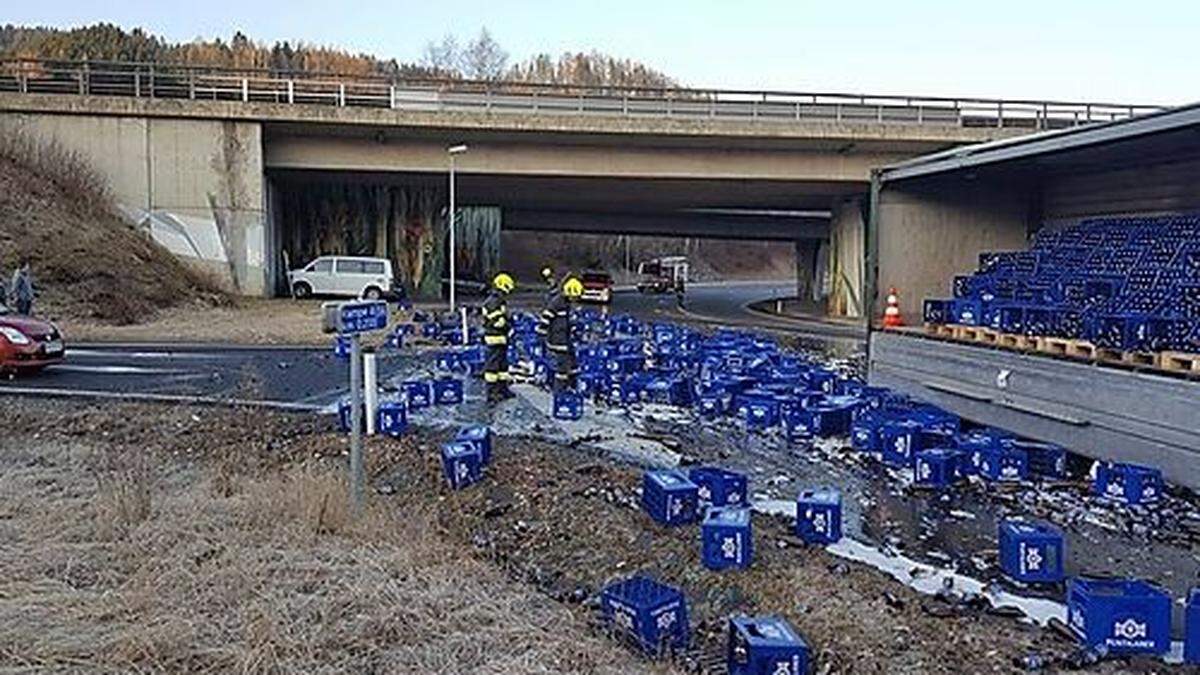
(1053, 345)
(939, 330)
(1022, 343)
(1179, 362)
(1081, 349)
(967, 333)
(1140, 359)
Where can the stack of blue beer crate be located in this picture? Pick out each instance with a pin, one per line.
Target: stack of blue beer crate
(1127, 283)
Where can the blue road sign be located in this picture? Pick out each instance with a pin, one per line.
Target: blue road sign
(362, 317)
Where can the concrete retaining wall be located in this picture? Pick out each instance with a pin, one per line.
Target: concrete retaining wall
(197, 185)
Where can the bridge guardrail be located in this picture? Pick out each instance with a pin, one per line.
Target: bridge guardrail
(172, 81)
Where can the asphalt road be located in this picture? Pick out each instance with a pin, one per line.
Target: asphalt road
(299, 377)
(315, 378)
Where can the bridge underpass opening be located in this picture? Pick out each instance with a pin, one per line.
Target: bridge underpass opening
(402, 216)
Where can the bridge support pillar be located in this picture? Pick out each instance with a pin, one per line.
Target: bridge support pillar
(806, 268)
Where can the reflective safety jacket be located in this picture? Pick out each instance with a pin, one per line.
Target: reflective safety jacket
(555, 324)
(495, 319)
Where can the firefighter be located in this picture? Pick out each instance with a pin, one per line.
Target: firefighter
(550, 282)
(495, 338)
(556, 326)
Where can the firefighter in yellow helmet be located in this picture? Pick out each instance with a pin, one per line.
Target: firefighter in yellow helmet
(496, 327)
(556, 326)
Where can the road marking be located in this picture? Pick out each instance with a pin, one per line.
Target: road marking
(155, 398)
(113, 369)
(108, 354)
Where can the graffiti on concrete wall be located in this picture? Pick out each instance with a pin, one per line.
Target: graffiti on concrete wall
(406, 224)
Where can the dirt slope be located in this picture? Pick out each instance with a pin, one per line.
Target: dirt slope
(87, 262)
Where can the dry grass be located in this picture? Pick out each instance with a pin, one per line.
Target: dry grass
(120, 562)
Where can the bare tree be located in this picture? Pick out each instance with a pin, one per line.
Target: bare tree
(443, 58)
(484, 58)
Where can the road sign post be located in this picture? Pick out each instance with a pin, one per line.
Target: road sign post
(352, 319)
(357, 470)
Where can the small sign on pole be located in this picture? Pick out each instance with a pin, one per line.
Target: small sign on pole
(352, 319)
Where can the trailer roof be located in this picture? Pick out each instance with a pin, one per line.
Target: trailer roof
(1046, 143)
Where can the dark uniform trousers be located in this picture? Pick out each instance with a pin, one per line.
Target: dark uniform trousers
(495, 338)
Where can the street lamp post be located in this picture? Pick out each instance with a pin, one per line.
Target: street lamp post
(453, 151)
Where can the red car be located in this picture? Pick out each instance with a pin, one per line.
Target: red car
(597, 287)
(27, 344)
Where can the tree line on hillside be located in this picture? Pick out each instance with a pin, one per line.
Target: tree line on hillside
(480, 58)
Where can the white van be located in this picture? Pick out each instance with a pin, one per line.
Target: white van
(345, 276)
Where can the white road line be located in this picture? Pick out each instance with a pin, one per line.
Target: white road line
(155, 398)
(113, 370)
(108, 354)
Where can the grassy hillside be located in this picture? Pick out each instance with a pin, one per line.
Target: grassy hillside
(87, 261)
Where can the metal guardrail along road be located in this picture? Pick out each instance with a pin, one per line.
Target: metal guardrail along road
(201, 83)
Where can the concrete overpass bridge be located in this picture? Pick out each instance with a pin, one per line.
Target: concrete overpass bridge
(209, 160)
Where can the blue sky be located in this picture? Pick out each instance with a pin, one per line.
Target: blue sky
(1125, 51)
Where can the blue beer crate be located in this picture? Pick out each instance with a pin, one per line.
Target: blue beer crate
(395, 339)
(1124, 616)
(973, 445)
(822, 380)
(819, 516)
(1191, 630)
(670, 497)
(447, 391)
(1004, 463)
(936, 467)
(864, 430)
(820, 421)
(1128, 483)
(1048, 460)
(1040, 321)
(418, 393)
(625, 391)
(343, 412)
(1031, 552)
(462, 464)
(479, 436)
(625, 364)
(725, 538)
(448, 362)
(391, 417)
(758, 409)
(1128, 332)
(568, 405)
(765, 646)
(431, 329)
(798, 425)
(967, 312)
(1011, 319)
(473, 358)
(713, 404)
(716, 486)
(832, 417)
(654, 614)
(938, 311)
(1069, 323)
(898, 441)
(341, 346)
(667, 390)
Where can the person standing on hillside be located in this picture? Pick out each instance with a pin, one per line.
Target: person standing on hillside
(22, 288)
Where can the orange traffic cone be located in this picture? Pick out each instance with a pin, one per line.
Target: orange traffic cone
(891, 313)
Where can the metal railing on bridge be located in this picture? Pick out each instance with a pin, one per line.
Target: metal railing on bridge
(205, 83)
